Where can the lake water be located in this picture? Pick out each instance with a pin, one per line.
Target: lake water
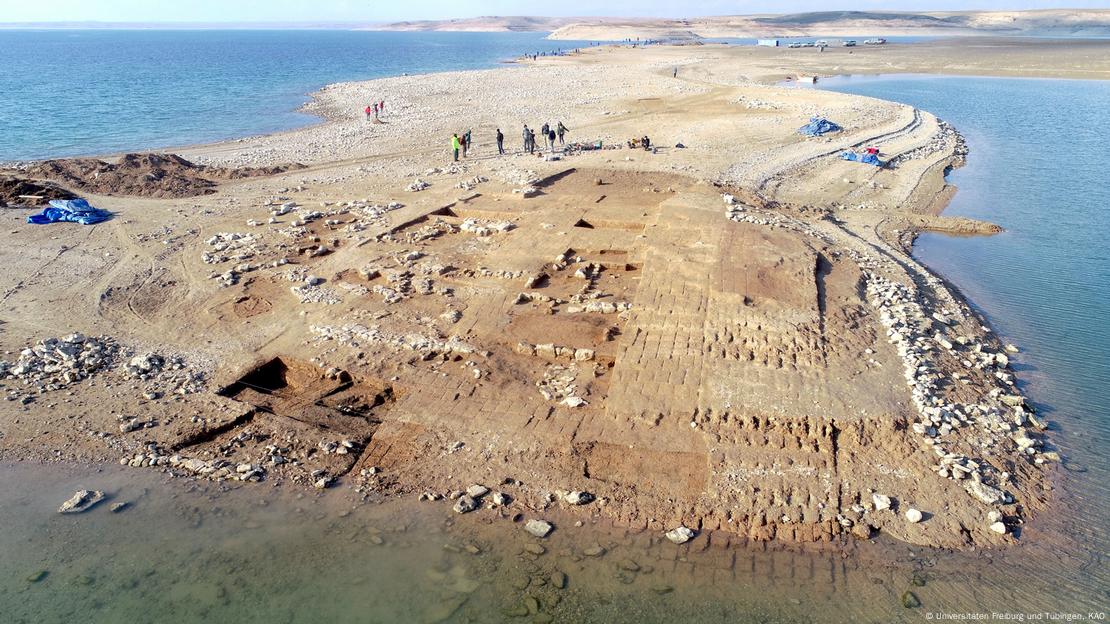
(87, 92)
(1037, 167)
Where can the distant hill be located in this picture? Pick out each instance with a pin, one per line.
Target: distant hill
(831, 17)
(483, 24)
(1050, 22)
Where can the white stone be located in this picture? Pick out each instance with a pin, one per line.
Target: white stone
(578, 498)
(465, 504)
(881, 501)
(680, 535)
(539, 528)
(913, 515)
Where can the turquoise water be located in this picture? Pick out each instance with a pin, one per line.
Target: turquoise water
(102, 91)
(1038, 167)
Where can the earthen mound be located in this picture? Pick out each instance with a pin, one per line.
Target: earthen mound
(145, 175)
(28, 193)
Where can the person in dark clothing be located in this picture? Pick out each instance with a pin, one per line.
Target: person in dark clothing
(646, 142)
(466, 143)
(551, 140)
(543, 132)
(560, 129)
(500, 143)
(531, 141)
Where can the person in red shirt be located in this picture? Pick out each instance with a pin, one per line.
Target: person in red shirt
(368, 111)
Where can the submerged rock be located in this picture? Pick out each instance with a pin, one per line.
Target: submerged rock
(680, 535)
(910, 600)
(83, 500)
(539, 528)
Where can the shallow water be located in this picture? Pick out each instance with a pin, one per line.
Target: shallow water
(184, 552)
(81, 92)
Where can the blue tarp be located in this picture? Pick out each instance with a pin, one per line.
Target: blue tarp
(818, 126)
(869, 159)
(73, 210)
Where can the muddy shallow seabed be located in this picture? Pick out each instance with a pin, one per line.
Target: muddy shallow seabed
(194, 552)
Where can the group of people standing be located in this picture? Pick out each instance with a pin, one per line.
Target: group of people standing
(462, 143)
(375, 109)
(549, 133)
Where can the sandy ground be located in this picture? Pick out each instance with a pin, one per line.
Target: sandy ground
(729, 336)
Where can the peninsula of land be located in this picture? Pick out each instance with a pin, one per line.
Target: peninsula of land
(722, 334)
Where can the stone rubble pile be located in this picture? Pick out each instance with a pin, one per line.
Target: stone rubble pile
(214, 469)
(55, 363)
(231, 246)
(470, 184)
(577, 304)
(518, 177)
(371, 214)
(172, 372)
(433, 230)
(314, 293)
(417, 185)
(946, 137)
(599, 307)
(359, 336)
(559, 384)
(486, 228)
(943, 423)
(552, 352)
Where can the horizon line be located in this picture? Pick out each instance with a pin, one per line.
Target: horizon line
(321, 23)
